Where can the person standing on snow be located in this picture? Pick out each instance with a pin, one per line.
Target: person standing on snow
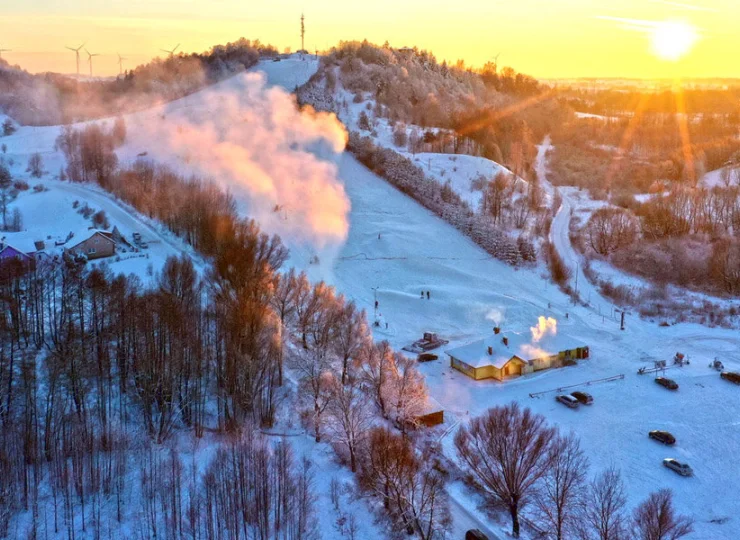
(427, 295)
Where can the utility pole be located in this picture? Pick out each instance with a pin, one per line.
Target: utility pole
(375, 318)
(303, 33)
(575, 298)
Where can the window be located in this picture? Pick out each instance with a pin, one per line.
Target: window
(91, 250)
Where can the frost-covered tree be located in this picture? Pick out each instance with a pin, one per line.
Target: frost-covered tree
(349, 417)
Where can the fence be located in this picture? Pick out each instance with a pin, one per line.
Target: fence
(586, 383)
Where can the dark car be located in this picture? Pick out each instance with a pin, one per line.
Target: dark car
(730, 376)
(583, 397)
(475, 534)
(670, 384)
(568, 401)
(427, 357)
(663, 437)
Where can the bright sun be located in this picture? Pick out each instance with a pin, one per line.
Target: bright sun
(671, 40)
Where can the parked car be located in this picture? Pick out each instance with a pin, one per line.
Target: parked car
(730, 376)
(676, 466)
(475, 534)
(426, 357)
(583, 398)
(663, 437)
(670, 384)
(567, 400)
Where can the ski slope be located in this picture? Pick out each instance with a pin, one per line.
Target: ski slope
(401, 249)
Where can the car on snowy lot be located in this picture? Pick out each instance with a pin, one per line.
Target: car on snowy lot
(583, 398)
(676, 466)
(730, 376)
(670, 384)
(567, 400)
(662, 436)
(426, 357)
(475, 534)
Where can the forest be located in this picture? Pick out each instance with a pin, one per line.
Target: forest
(51, 98)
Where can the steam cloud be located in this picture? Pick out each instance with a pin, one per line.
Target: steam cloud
(545, 326)
(278, 162)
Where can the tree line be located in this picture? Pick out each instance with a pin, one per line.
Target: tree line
(687, 237)
(517, 460)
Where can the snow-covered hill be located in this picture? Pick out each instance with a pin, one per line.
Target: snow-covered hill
(395, 249)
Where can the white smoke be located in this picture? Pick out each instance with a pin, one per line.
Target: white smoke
(495, 315)
(544, 327)
(277, 161)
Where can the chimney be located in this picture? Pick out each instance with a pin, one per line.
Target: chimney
(490, 351)
(496, 330)
(505, 340)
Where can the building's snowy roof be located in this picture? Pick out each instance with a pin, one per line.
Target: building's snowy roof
(476, 355)
(431, 406)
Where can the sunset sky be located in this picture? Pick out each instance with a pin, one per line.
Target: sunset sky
(544, 38)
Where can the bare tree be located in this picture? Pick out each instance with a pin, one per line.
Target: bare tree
(350, 417)
(283, 302)
(610, 229)
(507, 450)
(406, 392)
(603, 511)
(377, 361)
(562, 487)
(352, 334)
(656, 518)
(411, 489)
(35, 165)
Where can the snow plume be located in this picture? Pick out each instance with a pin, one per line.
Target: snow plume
(545, 326)
(495, 315)
(279, 163)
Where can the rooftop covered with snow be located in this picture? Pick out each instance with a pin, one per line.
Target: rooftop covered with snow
(506, 345)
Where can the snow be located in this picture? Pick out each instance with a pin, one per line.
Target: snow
(594, 116)
(714, 178)
(50, 216)
(400, 248)
(470, 292)
(460, 170)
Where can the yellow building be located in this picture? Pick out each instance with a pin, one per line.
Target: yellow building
(507, 355)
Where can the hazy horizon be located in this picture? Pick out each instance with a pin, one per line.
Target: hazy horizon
(573, 39)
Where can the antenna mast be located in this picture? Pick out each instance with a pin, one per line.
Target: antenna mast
(303, 33)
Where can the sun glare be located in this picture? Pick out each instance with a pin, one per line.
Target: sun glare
(671, 40)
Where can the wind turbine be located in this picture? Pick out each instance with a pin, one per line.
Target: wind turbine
(172, 52)
(120, 64)
(89, 60)
(77, 55)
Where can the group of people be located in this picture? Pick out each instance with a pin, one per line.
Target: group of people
(427, 293)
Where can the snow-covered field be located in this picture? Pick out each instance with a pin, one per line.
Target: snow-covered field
(52, 215)
(399, 248)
